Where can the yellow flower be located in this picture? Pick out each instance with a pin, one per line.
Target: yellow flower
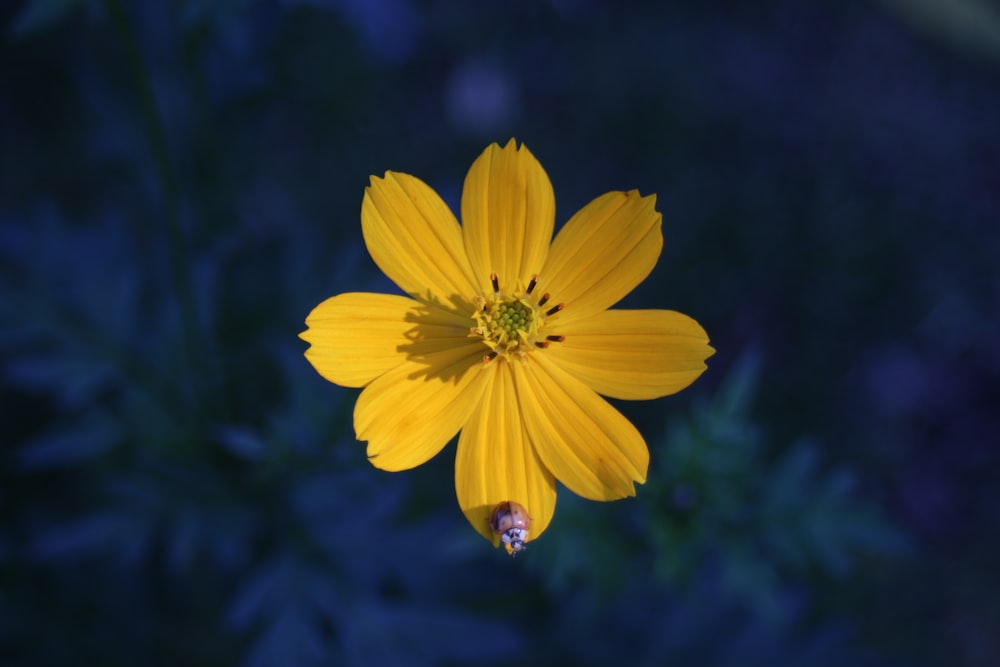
(506, 337)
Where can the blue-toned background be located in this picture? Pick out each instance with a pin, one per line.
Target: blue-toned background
(180, 183)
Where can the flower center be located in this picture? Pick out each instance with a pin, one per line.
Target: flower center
(513, 324)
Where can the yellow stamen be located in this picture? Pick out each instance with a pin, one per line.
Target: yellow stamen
(513, 325)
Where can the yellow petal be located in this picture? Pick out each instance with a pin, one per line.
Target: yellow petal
(415, 239)
(409, 413)
(355, 337)
(508, 212)
(588, 445)
(496, 462)
(602, 253)
(633, 354)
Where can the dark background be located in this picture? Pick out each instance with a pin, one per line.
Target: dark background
(180, 183)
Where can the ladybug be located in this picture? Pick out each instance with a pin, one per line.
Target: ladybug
(511, 522)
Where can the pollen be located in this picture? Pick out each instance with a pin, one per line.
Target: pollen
(513, 324)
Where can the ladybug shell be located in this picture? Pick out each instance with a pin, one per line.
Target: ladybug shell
(507, 515)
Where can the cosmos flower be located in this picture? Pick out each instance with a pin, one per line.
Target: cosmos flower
(506, 337)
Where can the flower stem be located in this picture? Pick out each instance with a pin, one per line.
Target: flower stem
(176, 244)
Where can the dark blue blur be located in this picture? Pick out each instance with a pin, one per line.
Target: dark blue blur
(180, 183)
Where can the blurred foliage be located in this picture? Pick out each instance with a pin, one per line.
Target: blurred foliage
(716, 504)
(179, 185)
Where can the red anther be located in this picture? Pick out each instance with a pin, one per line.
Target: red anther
(531, 285)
